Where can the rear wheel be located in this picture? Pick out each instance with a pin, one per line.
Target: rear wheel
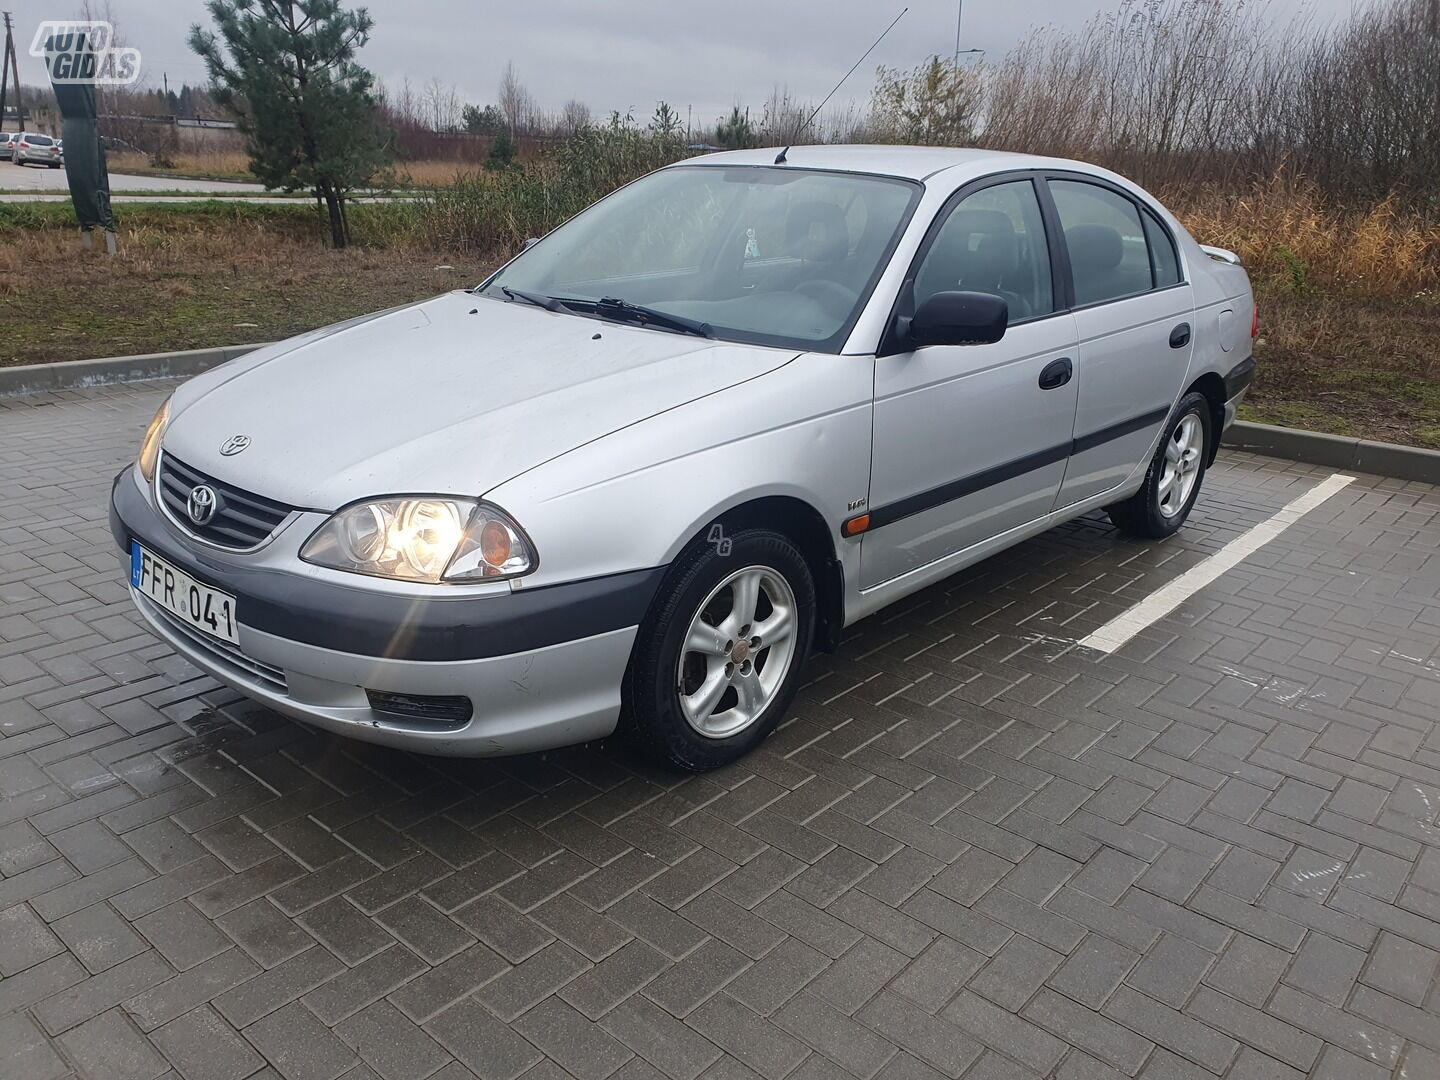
(1173, 480)
(718, 658)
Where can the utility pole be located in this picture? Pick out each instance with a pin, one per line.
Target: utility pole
(959, 17)
(7, 67)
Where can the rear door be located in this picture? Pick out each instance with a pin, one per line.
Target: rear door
(968, 442)
(1134, 318)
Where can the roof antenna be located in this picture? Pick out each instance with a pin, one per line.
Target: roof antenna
(780, 157)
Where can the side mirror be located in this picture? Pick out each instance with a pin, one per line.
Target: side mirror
(959, 318)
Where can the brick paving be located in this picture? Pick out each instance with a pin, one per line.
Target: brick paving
(975, 850)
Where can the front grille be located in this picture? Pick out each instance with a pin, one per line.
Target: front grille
(223, 653)
(241, 519)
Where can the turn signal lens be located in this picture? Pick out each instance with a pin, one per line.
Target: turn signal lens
(150, 444)
(1255, 323)
(494, 547)
(856, 525)
(495, 543)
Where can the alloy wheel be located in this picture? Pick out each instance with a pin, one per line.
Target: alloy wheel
(1183, 453)
(737, 651)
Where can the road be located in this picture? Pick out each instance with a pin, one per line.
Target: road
(978, 849)
(48, 186)
(33, 178)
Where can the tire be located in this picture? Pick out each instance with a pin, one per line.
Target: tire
(665, 678)
(1159, 508)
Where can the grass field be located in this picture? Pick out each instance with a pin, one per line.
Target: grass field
(1350, 304)
(192, 276)
(234, 165)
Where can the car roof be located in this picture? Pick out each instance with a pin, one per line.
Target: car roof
(908, 162)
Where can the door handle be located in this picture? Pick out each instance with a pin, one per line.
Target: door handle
(1180, 336)
(1056, 374)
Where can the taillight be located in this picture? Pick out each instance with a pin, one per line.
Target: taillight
(1255, 323)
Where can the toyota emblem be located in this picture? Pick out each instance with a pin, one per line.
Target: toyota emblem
(234, 444)
(201, 503)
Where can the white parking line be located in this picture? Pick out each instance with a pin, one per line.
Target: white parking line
(1167, 598)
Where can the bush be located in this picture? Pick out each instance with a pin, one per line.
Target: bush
(498, 211)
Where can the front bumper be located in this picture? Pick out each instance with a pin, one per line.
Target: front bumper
(541, 668)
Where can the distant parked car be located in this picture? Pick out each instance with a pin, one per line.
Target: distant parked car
(40, 149)
(60, 145)
(7, 145)
(694, 432)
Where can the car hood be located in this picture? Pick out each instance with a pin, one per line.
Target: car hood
(451, 396)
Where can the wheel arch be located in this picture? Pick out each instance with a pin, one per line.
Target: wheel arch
(1212, 387)
(807, 528)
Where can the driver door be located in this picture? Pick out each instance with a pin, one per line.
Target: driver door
(971, 441)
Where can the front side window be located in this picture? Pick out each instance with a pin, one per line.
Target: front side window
(778, 255)
(1109, 258)
(993, 242)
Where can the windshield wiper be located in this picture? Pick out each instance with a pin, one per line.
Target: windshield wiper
(611, 307)
(549, 303)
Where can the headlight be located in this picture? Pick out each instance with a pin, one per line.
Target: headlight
(423, 539)
(150, 445)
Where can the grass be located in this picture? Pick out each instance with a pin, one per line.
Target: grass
(232, 165)
(191, 276)
(1349, 306)
(187, 165)
(1350, 301)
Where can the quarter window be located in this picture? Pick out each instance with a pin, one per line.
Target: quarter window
(1162, 252)
(993, 242)
(1109, 258)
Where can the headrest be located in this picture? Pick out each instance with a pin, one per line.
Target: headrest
(816, 232)
(1094, 248)
(977, 250)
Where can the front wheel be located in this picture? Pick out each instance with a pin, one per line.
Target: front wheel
(1172, 483)
(717, 660)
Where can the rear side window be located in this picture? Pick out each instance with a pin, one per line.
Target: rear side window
(1109, 258)
(1162, 252)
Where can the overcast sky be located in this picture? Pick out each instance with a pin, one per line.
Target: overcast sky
(628, 54)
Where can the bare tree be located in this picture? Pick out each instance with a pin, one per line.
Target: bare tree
(442, 106)
(515, 100)
(574, 115)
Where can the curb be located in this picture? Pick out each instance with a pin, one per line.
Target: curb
(76, 374)
(1335, 451)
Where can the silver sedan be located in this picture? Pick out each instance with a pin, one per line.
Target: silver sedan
(641, 472)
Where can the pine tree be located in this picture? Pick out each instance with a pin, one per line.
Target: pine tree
(287, 69)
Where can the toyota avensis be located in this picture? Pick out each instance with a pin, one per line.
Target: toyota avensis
(643, 469)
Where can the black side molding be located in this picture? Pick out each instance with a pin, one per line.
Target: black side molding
(1119, 431)
(1009, 470)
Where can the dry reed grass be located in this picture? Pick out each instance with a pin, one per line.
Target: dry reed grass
(213, 163)
(1292, 238)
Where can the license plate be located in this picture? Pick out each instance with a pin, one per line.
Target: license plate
(193, 602)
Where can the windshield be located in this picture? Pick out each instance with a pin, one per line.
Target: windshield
(777, 256)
